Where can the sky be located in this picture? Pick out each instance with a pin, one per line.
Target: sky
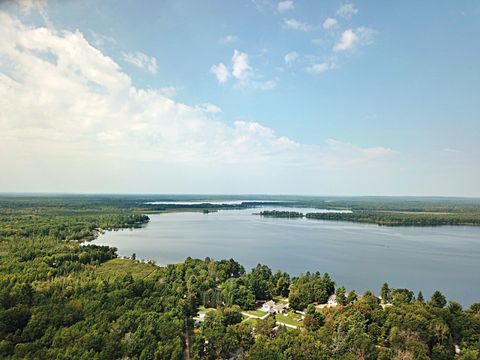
(240, 97)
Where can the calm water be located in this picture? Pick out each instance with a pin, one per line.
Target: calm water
(359, 256)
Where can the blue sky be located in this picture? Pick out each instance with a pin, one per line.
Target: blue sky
(324, 97)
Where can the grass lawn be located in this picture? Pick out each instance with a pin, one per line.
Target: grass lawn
(125, 266)
(256, 313)
(291, 319)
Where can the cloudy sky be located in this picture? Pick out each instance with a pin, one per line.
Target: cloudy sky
(259, 96)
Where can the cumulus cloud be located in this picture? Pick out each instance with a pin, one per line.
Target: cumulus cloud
(347, 10)
(285, 6)
(241, 68)
(351, 39)
(329, 23)
(291, 57)
(221, 72)
(142, 61)
(65, 102)
(242, 72)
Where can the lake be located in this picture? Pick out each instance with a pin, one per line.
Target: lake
(359, 256)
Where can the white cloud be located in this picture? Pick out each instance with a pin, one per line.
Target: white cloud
(241, 68)
(293, 24)
(209, 108)
(221, 72)
(347, 41)
(347, 10)
(229, 39)
(242, 72)
(352, 39)
(319, 68)
(68, 108)
(329, 23)
(142, 61)
(169, 91)
(291, 57)
(285, 6)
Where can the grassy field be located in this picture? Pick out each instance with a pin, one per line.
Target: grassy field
(125, 266)
(256, 313)
(291, 319)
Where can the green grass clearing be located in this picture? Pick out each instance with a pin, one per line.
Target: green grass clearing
(125, 266)
(291, 319)
(258, 313)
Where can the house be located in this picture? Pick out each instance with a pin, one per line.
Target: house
(332, 300)
(278, 309)
(271, 308)
(267, 306)
(199, 319)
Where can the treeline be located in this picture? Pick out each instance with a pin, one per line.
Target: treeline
(61, 220)
(384, 218)
(281, 214)
(400, 219)
(392, 203)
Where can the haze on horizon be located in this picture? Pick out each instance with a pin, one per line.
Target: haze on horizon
(251, 97)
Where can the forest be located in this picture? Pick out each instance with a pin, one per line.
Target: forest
(63, 298)
(387, 218)
(393, 218)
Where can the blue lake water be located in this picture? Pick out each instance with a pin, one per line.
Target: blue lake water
(359, 256)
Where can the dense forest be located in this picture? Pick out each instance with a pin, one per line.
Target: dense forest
(388, 218)
(281, 214)
(63, 298)
(401, 218)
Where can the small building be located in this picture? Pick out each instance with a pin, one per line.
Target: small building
(267, 306)
(332, 300)
(271, 308)
(199, 319)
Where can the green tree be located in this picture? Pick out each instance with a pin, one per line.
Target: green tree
(385, 293)
(438, 300)
(340, 295)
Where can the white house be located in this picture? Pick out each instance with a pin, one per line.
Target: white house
(271, 308)
(199, 319)
(332, 300)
